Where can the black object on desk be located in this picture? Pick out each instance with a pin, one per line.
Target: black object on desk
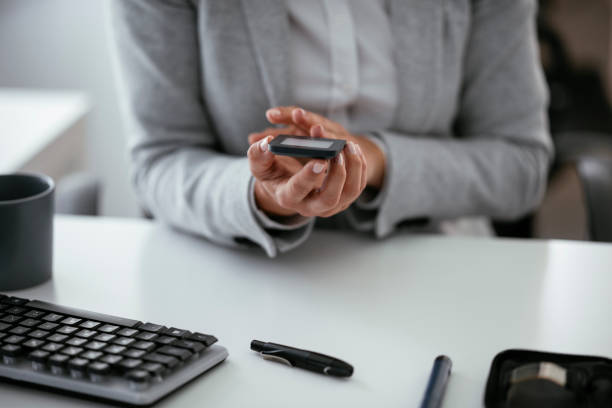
(98, 355)
(437, 382)
(308, 360)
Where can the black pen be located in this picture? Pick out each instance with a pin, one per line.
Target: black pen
(309, 360)
(437, 382)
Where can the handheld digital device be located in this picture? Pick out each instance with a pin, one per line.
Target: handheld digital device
(302, 146)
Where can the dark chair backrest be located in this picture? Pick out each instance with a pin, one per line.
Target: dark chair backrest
(596, 178)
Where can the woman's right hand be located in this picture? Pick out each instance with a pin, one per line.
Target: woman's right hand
(283, 184)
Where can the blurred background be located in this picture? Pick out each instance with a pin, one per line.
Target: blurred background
(60, 112)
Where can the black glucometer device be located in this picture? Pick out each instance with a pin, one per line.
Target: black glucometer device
(302, 146)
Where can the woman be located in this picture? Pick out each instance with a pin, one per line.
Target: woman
(442, 102)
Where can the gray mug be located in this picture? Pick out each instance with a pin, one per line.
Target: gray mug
(26, 230)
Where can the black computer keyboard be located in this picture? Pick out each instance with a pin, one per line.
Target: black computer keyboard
(99, 355)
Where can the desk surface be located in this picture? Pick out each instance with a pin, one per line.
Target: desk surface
(388, 307)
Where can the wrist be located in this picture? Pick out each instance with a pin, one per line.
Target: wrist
(266, 203)
(375, 160)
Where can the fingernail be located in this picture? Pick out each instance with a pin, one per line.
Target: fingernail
(318, 168)
(352, 147)
(359, 149)
(273, 113)
(341, 159)
(263, 145)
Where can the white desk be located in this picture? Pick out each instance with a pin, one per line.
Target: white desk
(42, 131)
(386, 307)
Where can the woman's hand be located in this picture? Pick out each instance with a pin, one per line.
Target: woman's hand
(322, 188)
(310, 123)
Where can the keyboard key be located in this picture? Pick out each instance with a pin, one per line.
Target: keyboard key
(10, 319)
(98, 368)
(123, 341)
(150, 327)
(52, 347)
(78, 364)
(108, 328)
(91, 355)
(48, 326)
(19, 330)
(35, 314)
(111, 359)
(76, 341)
(58, 360)
(84, 314)
(33, 343)
(174, 332)
(127, 332)
(11, 350)
(15, 301)
(3, 335)
(71, 321)
(29, 322)
(90, 324)
(3, 307)
(56, 338)
(40, 356)
(167, 361)
(207, 339)
(95, 345)
(53, 317)
(144, 345)
(114, 349)
(14, 339)
(105, 337)
(16, 310)
(38, 334)
(147, 336)
(129, 363)
(165, 340)
(180, 353)
(71, 351)
(134, 353)
(67, 329)
(4, 326)
(86, 333)
(153, 368)
(193, 346)
(139, 376)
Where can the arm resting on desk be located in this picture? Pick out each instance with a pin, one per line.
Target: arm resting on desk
(496, 166)
(178, 173)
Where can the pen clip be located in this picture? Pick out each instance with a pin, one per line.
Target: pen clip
(267, 355)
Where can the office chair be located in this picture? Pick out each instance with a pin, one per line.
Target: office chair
(596, 179)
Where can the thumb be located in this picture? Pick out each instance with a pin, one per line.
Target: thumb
(261, 161)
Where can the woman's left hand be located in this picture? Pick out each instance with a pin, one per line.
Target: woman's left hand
(315, 125)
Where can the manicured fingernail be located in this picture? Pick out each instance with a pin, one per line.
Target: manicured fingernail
(359, 149)
(352, 148)
(263, 145)
(318, 168)
(273, 113)
(341, 159)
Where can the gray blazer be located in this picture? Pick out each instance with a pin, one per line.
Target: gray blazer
(469, 135)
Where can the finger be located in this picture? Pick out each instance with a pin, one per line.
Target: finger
(306, 120)
(261, 161)
(364, 169)
(291, 195)
(281, 115)
(256, 137)
(329, 195)
(352, 184)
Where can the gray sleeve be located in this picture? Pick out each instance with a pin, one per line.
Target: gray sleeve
(497, 166)
(178, 174)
